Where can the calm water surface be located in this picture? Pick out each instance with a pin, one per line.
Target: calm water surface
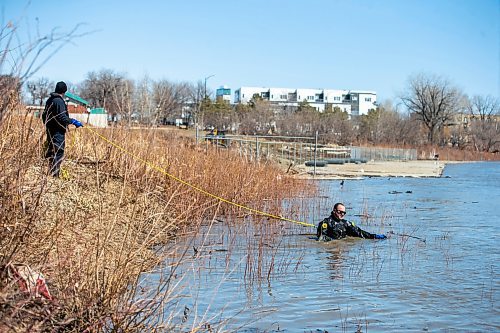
(449, 282)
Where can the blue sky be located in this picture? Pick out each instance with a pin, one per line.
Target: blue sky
(330, 44)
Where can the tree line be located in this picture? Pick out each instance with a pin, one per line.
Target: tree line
(431, 110)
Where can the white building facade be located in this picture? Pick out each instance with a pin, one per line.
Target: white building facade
(354, 102)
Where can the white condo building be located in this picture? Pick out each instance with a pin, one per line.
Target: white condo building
(354, 102)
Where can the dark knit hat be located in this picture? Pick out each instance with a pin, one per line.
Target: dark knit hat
(61, 87)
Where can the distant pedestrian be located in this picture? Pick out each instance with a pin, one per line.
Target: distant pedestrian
(56, 119)
(336, 227)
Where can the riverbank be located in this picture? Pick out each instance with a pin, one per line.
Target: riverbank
(115, 214)
(419, 168)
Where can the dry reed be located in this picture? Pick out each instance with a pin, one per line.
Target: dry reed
(94, 234)
(455, 154)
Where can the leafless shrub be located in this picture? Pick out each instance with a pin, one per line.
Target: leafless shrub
(21, 58)
(95, 234)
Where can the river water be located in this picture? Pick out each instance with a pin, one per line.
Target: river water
(445, 277)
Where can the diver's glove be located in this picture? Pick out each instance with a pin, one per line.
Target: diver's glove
(380, 236)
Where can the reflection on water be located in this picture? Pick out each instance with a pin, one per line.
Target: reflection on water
(252, 279)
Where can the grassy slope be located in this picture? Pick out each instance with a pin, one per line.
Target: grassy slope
(112, 218)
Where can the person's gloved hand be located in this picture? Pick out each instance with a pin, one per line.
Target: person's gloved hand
(380, 236)
(76, 123)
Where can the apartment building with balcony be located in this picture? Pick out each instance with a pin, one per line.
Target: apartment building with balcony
(354, 102)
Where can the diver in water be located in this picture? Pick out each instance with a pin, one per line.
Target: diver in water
(336, 227)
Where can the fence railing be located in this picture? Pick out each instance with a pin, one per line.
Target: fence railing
(302, 149)
(383, 154)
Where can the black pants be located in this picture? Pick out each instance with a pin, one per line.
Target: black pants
(55, 151)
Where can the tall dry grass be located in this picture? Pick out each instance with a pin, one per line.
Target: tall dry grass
(455, 154)
(95, 234)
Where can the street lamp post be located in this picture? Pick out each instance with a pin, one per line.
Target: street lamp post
(205, 92)
(201, 103)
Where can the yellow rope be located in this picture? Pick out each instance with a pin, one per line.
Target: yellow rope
(159, 169)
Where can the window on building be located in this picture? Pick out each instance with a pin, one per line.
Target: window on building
(336, 98)
(310, 98)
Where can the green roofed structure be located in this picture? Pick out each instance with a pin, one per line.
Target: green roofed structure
(76, 98)
(98, 111)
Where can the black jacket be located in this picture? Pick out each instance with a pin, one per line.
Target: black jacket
(55, 115)
(333, 228)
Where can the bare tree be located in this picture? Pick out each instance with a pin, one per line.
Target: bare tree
(484, 124)
(484, 107)
(123, 98)
(256, 118)
(32, 90)
(485, 135)
(144, 103)
(434, 100)
(335, 127)
(195, 97)
(103, 88)
(170, 98)
(406, 130)
(40, 89)
(385, 125)
(459, 135)
(302, 122)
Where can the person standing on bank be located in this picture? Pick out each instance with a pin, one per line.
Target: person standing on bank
(56, 119)
(336, 227)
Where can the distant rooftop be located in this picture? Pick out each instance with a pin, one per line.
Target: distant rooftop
(98, 111)
(76, 98)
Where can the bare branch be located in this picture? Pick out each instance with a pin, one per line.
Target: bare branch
(434, 100)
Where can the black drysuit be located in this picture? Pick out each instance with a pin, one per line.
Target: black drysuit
(56, 119)
(333, 228)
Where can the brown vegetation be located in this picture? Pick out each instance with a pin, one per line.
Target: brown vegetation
(94, 233)
(452, 154)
